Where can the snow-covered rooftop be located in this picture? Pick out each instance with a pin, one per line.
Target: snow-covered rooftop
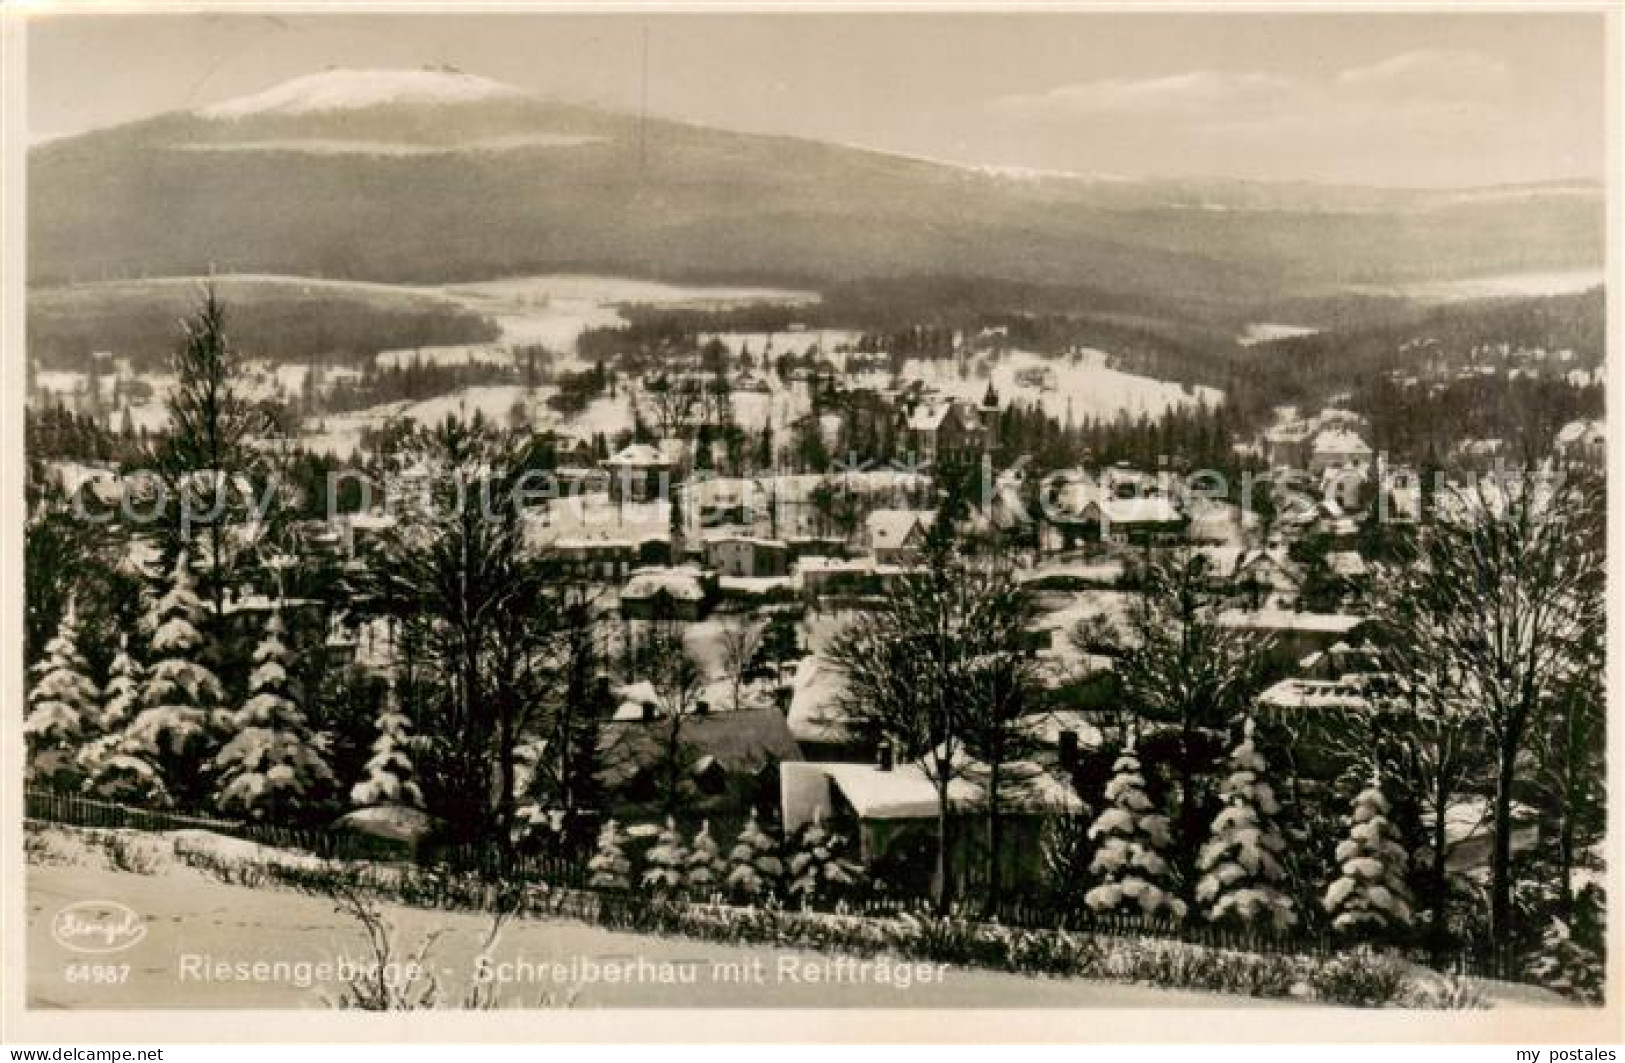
(682, 583)
(1340, 441)
(928, 417)
(906, 790)
(1287, 620)
(1153, 509)
(815, 713)
(891, 528)
(639, 455)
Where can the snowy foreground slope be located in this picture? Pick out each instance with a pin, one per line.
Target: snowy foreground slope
(199, 939)
(189, 915)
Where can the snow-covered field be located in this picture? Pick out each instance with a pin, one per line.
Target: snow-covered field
(339, 434)
(193, 923)
(1264, 331)
(554, 310)
(1507, 286)
(1081, 387)
(757, 343)
(458, 354)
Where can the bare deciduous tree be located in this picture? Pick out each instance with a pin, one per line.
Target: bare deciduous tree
(741, 639)
(1503, 588)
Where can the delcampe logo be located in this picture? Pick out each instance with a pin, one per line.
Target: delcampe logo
(98, 927)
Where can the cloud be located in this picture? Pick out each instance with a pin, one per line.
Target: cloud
(1429, 71)
(1199, 93)
(1419, 112)
(1416, 78)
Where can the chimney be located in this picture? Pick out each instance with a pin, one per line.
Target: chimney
(1069, 751)
(883, 756)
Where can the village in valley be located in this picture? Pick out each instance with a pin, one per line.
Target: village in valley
(1084, 653)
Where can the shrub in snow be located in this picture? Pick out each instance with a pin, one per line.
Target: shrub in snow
(180, 711)
(667, 861)
(754, 871)
(1131, 874)
(609, 867)
(705, 864)
(389, 778)
(62, 710)
(1369, 897)
(1568, 966)
(1361, 979)
(1243, 877)
(819, 866)
(273, 766)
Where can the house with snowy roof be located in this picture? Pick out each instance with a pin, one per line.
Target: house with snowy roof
(1294, 635)
(936, 430)
(817, 715)
(896, 536)
(1121, 505)
(639, 473)
(1348, 486)
(746, 556)
(1266, 577)
(890, 809)
(680, 593)
(1287, 444)
(1148, 520)
(725, 761)
(1584, 441)
(1337, 447)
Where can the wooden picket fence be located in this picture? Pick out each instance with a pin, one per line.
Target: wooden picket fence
(56, 807)
(569, 873)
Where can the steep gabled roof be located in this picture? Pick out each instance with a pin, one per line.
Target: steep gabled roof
(892, 528)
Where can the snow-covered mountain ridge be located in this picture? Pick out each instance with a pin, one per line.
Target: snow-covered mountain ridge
(336, 90)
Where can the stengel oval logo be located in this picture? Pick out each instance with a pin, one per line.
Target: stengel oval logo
(97, 927)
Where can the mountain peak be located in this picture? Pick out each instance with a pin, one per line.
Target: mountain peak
(337, 90)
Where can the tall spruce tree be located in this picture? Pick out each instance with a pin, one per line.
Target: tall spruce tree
(1131, 873)
(390, 779)
(120, 702)
(1243, 877)
(181, 718)
(62, 709)
(274, 767)
(1369, 896)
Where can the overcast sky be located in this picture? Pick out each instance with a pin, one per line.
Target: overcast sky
(1402, 99)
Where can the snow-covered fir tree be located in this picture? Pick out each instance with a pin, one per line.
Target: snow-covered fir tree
(667, 870)
(62, 709)
(390, 775)
(123, 694)
(705, 864)
(755, 870)
(1243, 879)
(819, 865)
(167, 745)
(609, 868)
(1131, 874)
(120, 700)
(1369, 897)
(273, 767)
